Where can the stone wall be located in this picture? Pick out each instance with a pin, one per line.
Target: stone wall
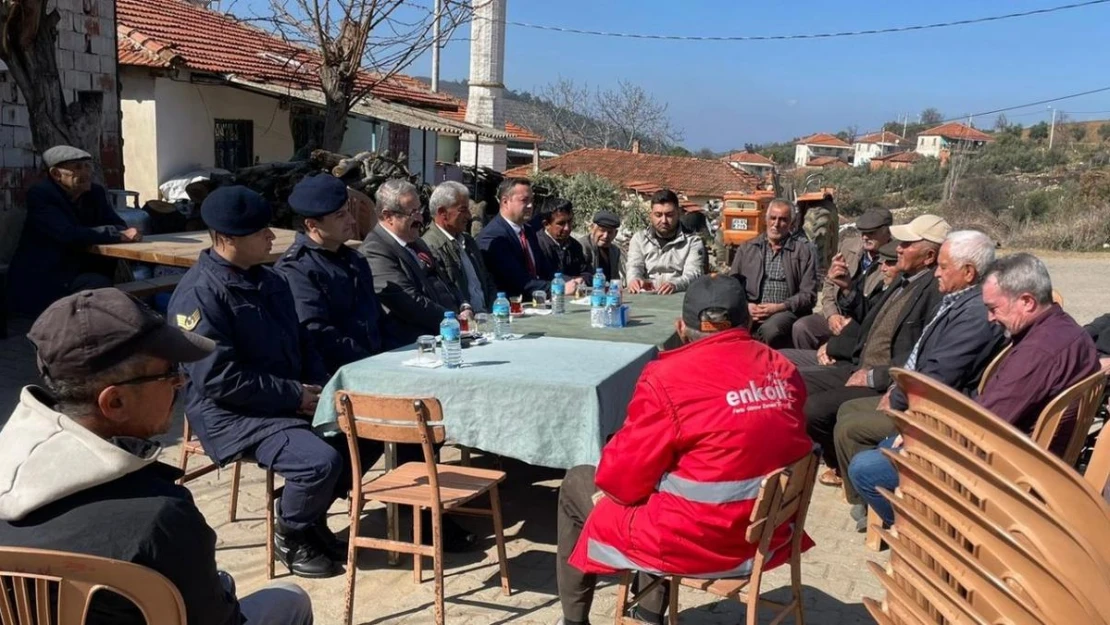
(86, 62)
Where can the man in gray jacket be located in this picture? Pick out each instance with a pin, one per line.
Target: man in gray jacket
(780, 274)
(663, 258)
(456, 251)
(954, 348)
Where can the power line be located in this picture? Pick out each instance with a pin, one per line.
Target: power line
(833, 35)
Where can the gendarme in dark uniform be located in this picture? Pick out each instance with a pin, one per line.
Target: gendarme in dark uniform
(253, 397)
(332, 285)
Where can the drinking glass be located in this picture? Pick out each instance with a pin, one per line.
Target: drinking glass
(539, 299)
(481, 324)
(648, 286)
(583, 290)
(426, 348)
(515, 307)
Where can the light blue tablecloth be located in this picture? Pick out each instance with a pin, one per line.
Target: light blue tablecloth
(546, 401)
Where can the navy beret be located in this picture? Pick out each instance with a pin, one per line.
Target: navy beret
(319, 195)
(235, 211)
(607, 219)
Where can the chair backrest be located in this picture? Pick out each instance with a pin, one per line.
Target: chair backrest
(783, 497)
(932, 405)
(411, 420)
(1085, 395)
(992, 366)
(1098, 469)
(28, 575)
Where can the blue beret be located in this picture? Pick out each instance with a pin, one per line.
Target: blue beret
(319, 195)
(235, 211)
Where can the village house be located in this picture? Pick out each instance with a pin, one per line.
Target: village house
(875, 145)
(522, 145)
(819, 145)
(755, 164)
(699, 180)
(940, 141)
(192, 101)
(897, 160)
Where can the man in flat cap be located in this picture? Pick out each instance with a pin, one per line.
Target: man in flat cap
(254, 396)
(332, 284)
(66, 213)
(598, 246)
(80, 473)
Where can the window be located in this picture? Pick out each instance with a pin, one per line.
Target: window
(398, 139)
(234, 143)
(308, 131)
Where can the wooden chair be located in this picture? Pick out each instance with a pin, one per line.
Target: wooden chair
(992, 367)
(783, 497)
(1086, 396)
(1098, 469)
(440, 488)
(28, 575)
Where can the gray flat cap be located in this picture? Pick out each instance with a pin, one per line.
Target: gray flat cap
(63, 154)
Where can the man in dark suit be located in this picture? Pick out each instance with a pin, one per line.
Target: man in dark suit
(509, 247)
(407, 278)
(456, 251)
(889, 331)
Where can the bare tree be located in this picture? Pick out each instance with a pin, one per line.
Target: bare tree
(931, 116)
(563, 113)
(358, 45)
(636, 116)
(27, 45)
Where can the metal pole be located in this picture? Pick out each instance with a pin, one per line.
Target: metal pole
(435, 46)
(1052, 129)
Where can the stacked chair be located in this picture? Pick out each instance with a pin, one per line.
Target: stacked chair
(989, 526)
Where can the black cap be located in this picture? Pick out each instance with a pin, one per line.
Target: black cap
(235, 211)
(889, 251)
(874, 219)
(607, 219)
(82, 334)
(715, 292)
(317, 196)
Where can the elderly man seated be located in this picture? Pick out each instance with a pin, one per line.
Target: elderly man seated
(675, 486)
(779, 271)
(1049, 353)
(454, 249)
(954, 348)
(81, 474)
(66, 213)
(663, 257)
(598, 246)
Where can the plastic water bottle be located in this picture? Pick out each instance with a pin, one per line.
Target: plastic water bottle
(558, 295)
(501, 319)
(599, 280)
(598, 318)
(451, 334)
(615, 289)
(613, 305)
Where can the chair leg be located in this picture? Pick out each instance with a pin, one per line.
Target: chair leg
(185, 452)
(354, 512)
(417, 537)
(796, 583)
(269, 523)
(873, 540)
(234, 506)
(622, 596)
(499, 536)
(672, 601)
(464, 456)
(437, 563)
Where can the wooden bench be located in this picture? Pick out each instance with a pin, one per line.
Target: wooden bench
(144, 288)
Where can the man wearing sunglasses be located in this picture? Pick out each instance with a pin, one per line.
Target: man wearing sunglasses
(80, 474)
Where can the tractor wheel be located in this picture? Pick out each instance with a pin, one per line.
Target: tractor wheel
(822, 225)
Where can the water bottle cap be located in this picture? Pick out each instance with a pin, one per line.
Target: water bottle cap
(448, 315)
(558, 275)
(500, 294)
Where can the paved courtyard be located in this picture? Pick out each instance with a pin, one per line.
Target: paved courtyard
(834, 572)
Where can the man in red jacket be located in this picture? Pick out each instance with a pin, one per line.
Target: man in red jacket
(676, 485)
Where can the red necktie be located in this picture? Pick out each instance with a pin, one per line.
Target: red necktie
(527, 254)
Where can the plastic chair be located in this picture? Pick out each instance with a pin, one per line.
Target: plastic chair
(783, 497)
(34, 574)
(992, 367)
(1098, 469)
(1085, 395)
(440, 488)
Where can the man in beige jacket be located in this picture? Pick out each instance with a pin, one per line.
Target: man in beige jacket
(662, 258)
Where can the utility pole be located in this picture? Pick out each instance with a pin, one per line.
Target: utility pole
(435, 46)
(905, 124)
(1052, 129)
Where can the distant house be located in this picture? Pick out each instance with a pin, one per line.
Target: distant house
(755, 164)
(199, 89)
(897, 160)
(818, 145)
(698, 179)
(875, 145)
(523, 144)
(940, 141)
(827, 162)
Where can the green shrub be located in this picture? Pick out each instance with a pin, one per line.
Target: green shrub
(589, 193)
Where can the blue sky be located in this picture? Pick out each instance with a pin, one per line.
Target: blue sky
(723, 94)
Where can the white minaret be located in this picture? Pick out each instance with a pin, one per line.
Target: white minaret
(485, 106)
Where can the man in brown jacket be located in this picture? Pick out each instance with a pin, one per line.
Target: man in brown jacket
(860, 255)
(780, 274)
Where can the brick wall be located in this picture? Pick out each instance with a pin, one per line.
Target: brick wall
(86, 62)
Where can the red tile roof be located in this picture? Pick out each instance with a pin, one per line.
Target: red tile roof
(957, 131)
(520, 133)
(824, 138)
(749, 158)
(900, 157)
(158, 33)
(881, 137)
(689, 176)
(826, 161)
